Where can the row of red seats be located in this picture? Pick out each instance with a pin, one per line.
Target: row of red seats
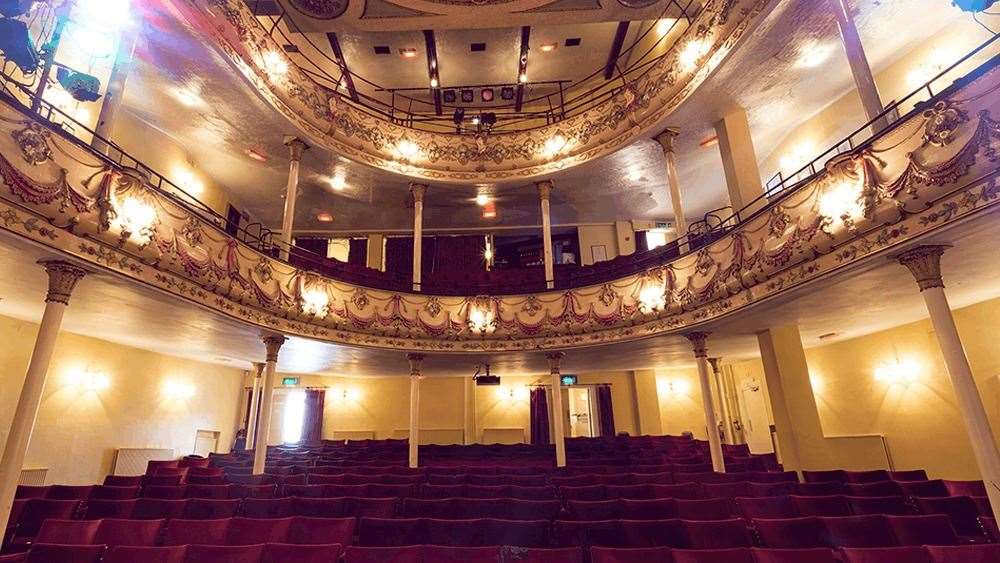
(261, 553)
(928, 554)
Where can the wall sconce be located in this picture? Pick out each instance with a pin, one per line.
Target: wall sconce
(797, 158)
(88, 381)
(481, 317)
(673, 387)
(554, 145)
(346, 394)
(136, 218)
(840, 200)
(189, 182)
(275, 64)
(407, 149)
(693, 52)
(898, 373)
(315, 301)
(652, 297)
(513, 393)
(177, 390)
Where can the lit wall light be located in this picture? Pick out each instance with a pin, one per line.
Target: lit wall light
(434, 82)
(189, 182)
(548, 47)
(813, 54)
(408, 52)
(554, 145)
(902, 372)
(275, 64)
(347, 394)
(841, 199)
(407, 149)
(818, 384)
(513, 393)
(673, 387)
(177, 390)
(324, 217)
(315, 301)
(663, 25)
(84, 380)
(523, 78)
(110, 15)
(634, 174)
(652, 298)
(136, 217)
(482, 199)
(693, 52)
(798, 157)
(481, 318)
(338, 182)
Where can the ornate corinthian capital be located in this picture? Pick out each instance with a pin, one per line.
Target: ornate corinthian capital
(666, 139)
(698, 343)
(545, 189)
(272, 343)
(415, 360)
(554, 358)
(63, 277)
(924, 262)
(418, 191)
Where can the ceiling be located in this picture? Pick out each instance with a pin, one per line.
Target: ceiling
(850, 304)
(227, 117)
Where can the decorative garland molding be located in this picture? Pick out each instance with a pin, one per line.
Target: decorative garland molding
(332, 121)
(933, 170)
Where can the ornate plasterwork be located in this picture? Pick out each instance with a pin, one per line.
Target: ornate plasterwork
(321, 9)
(882, 197)
(347, 130)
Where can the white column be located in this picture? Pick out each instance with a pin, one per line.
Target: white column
(724, 412)
(418, 191)
(63, 277)
(666, 140)
(272, 343)
(295, 149)
(924, 262)
(414, 439)
(544, 193)
(255, 390)
(558, 431)
(739, 161)
(115, 94)
(701, 355)
(863, 79)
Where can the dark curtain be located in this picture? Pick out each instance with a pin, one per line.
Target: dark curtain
(606, 414)
(357, 254)
(641, 244)
(312, 420)
(539, 417)
(315, 245)
(246, 419)
(460, 254)
(399, 256)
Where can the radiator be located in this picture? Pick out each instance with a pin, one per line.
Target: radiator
(34, 477)
(133, 461)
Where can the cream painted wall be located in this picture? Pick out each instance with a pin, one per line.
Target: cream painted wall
(78, 430)
(895, 81)
(597, 235)
(167, 157)
(680, 401)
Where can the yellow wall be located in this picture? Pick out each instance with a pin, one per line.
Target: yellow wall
(597, 235)
(679, 395)
(78, 430)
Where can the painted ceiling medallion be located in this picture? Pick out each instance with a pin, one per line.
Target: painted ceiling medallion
(321, 9)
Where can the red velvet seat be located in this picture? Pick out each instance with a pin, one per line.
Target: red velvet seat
(67, 532)
(606, 533)
(858, 531)
(520, 533)
(266, 507)
(583, 492)
(383, 490)
(223, 553)
(872, 476)
(486, 491)
(727, 490)
(966, 488)
(781, 488)
(123, 480)
(704, 509)
(790, 533)
(908, 475)
(165, 491)
(363, 506)
(105, 492)
(533, 509)
(478, 508)
(828, 505)
(824, 488)
(766, 507)
(688, 491)
(33, 512)
(575, 480)
(631, 555)
(459, 533)
(838, 475)
(896, 506)
(817, 555)
(773, 477)
(55, 553)
(162, 480)
(717, 534)
(659, 478)
(654, 509)
(154, 508)
(527, 480)
(877, 489)
(635, 492)
(933, 529)
(407, 554)
(31, 491)
(595, 509)
(129, 554)
(296, 553)
(964, 554)
(886, 555)
(427, 508)
(250, 531)
(479, 479)
(319, 479)
(206, 532)
(962, 511)
(544, 492)
(209, 491)
(989, 524)
(431, 491)
(933, 488)
(99, 508)
(713, 556)
(384, 532)
(254, 491)
(305, 530)
(69, 492)
(209, 509)
(347, 490)
(654, 533)
(618, 479)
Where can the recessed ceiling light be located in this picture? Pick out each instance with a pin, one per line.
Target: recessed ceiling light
(482, 199)
(408, 52)
(257, 155)
(548, 47)
(338, 182)
(324, 217)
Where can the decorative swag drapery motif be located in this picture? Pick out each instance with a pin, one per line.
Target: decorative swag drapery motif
(539, 417)
(312, 418)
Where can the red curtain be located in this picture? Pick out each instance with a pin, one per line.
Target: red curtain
(539, 417)
(606, 415)
(459, 254)
(312, 420)
(399, 256)
(357, 253)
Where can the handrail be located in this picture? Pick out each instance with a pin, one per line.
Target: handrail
(685, 244)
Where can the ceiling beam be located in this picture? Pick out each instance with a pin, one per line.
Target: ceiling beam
(616, 50)
(345, 73)
(522, 66)
(433, 67)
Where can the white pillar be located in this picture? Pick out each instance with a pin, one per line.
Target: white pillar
(418, 191)
(295, 149)
(855, 51)
(739, 162)
(701, 355)
(255, 390)
(414, 439)
(724, 411)
(115, 94)
(558, 432)
(544, 193)
(63, 277)
(924, 262)
(666, 140)
(272, 343)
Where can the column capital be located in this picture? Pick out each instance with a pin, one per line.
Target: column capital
(698, 343)
(554, 358)
(272, 343)
(296, 147)
(418, 191)
(415, 360)
(545, 188)
(63, 277)
(714, 362)
(924, 262)
(258, 368)
(666, 139)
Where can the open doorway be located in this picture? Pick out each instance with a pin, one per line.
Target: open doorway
(581, 416)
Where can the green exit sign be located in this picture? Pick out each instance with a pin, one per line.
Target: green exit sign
(290, 381)
(569, 380)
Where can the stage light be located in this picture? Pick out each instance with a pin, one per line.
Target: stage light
(17, 46)
(316, 302)
(324, 217)
(554, 145)
(449, 96)
(338, 182)
(257, 155)
(482, 199)
(548, 47)
(407, 149)
(486, 94)
(507, 93)
(106, 15)
(83, 87)
(434, 82)
(177, 390)
(468, 96)
(475, 120)
(523, 78)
